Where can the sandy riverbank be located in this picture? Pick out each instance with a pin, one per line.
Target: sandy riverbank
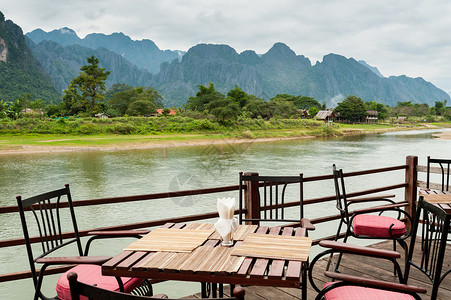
(30, 149)
(443, 135)
(149, 143)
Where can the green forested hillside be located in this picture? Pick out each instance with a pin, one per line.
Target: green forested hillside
(20, 72)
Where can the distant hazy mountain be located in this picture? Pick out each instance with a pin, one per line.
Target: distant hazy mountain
(144, 54)
(280, 70)
(64, 63)
(20, 72)
(374, 69)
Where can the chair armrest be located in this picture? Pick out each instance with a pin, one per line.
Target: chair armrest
(119, 233)
(305, 223)
(79, 260)
(381, 208)
(374, 283)
(104, 234)
(361, 250)
(373, 198)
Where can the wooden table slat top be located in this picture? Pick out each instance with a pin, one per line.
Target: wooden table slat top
(211, 262)
(438, 198)
(168, 239)
(275, 246)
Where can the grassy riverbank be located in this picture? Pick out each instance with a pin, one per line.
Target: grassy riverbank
(74, 134)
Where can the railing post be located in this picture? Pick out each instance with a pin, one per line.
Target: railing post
(410, 194)
(252, 200)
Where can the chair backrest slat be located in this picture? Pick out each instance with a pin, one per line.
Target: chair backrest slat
(272, 194)
(46, 216)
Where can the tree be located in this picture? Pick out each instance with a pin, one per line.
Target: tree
(300, 102)
(3, 108)
(91, 83)
(72, 101)
(439, 108)
(239, 96)
(116, 88)
(313, 111)
(224, 109)
(256, 107)
(140, 108)
(123, 102)
(405, 103)
(352, 109)
(281, 108)
(204, 96)
(382, 111)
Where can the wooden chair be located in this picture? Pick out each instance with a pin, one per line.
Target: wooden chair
(430, 262)
(271, 196)
(444, 169)
(435, 234)
(53, 215)
(78, 289)
(370, 223)
(271, 193)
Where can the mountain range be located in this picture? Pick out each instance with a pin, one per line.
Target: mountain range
(20, 72)
(176, 74)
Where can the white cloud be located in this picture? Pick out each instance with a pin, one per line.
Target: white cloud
(398, 37)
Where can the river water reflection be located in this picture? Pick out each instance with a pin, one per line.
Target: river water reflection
(132, 172)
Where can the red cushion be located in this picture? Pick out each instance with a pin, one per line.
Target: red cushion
(360, 293)
(92, 274)
(377, 226)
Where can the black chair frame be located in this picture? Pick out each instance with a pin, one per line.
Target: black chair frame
(343, 205)
(436, 228)
(343, 248)
(78, 288)
(46, 212)
(445, 165)
(433, 246)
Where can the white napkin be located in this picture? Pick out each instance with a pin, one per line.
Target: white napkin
(226, 223)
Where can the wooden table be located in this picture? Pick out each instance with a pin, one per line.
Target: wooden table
(441, 200)
(436, 206)
(245, 270)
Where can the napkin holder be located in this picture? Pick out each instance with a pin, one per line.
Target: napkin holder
(227, 224)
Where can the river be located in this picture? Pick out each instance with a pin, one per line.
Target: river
(131, 172)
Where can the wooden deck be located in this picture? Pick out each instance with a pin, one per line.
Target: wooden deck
(355, 265)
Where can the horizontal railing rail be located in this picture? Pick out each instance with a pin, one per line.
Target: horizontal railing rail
(122, 199)
(197, 217)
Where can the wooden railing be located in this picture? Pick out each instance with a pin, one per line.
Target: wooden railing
(409, 185)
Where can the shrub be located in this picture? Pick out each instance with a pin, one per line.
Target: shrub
(124, 129)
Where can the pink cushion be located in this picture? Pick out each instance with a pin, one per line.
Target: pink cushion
(360, 293)
(92, 274)
(377, 226)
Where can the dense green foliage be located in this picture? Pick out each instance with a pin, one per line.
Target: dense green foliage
(243, 127)
(139, 101)
(352, 109)
(237, 102)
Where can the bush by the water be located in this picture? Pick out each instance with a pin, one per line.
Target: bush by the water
(152, 125)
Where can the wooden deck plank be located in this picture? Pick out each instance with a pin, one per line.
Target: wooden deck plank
(356, 266)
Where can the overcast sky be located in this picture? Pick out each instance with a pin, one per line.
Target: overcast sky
(399, 37)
